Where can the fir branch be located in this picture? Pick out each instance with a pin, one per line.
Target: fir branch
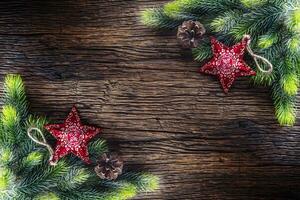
(292, 18)
(44, 179)
(10, 121)
(156, 18)
(257, 22)
(73, 179)
(226, 21)
(144, 182)
(7, 180)
(200, 7)
(250, 4)
(202, 52)
(24, 169)
(34, 158)
(285, 110)
(6, 156)
(274, 27)
(47, 195)
(14, 91)
(97, 148)
(123, 192)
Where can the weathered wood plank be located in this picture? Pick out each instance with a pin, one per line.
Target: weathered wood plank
(146, 94)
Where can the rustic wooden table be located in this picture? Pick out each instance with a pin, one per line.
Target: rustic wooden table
(146, 94)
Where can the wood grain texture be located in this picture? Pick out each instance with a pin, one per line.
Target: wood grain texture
(146, 94)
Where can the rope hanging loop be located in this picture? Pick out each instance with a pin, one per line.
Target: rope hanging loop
(256, 57)
(42, 143)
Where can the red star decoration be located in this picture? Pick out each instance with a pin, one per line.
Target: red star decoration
(227, 62)
(72, 137)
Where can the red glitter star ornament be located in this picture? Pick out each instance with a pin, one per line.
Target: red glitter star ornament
(227, 62)
(72, 137)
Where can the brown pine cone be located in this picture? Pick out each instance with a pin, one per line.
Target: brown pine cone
(109, 166)
(190, 33)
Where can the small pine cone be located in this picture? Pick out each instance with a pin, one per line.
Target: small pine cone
(190, 33)
(109, 166)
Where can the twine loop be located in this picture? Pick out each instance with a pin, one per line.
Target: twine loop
(256, 57)
(42, 143)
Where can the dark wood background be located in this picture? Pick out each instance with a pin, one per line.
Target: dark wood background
(146, 94)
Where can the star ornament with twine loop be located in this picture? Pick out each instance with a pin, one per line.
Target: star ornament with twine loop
(72, 138)
(228, 62)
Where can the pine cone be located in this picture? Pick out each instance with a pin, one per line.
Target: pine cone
(109, 166)
(190, 33)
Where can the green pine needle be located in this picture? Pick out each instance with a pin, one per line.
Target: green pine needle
(14, 87)
(148, 182)
(202, 52)
(47, 196)
(294, 44)
(293, 18)
(6, 156)
(149, 17)
(226, 21)
(15, 94)
(6, 179)
(266, 41)
(125, 192)
(290, 84)
(176, 8)
(9, 116)
(10, 124)
(263, 79)
(286, 115)
(33, 158)
(252, 3)
(155, 18)
(74, 179)
(144, 182)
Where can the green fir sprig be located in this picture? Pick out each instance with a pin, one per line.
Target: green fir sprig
(25, 173)
(274, 26)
